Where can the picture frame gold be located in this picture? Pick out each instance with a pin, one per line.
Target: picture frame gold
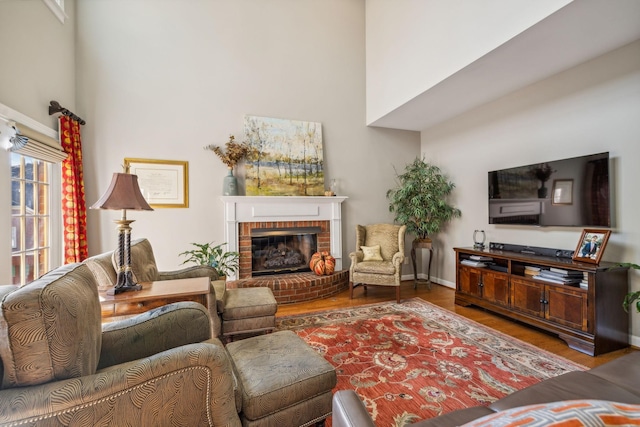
(163, 183)
(585, 252)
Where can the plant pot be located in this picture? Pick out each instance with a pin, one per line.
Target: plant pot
(422, 243)
(542, 192)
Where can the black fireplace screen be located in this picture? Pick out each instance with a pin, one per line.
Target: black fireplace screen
(282, 250)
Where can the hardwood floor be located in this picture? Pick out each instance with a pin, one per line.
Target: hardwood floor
(443, 297)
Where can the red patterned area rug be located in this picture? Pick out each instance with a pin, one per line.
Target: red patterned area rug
(415, 360)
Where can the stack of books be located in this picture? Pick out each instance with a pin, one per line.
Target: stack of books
(584, 283)
(481, 258)
(531, 271)
(477, 261)
(473, 263)
(560, 276)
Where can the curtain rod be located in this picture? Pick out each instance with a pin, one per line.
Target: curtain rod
(55, 107)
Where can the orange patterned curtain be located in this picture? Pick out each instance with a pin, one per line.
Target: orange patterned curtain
(74, 210)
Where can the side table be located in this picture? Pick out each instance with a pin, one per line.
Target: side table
(155, 294)
(421, 244)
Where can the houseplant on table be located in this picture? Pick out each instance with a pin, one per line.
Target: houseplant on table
(419, 201)
(215, 256)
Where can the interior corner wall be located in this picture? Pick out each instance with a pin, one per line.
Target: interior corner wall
(161, 79)
(591, 108)
(38, 65)
(414, 45)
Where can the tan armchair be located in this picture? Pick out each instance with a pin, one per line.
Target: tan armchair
(61, 367)
(378, 257)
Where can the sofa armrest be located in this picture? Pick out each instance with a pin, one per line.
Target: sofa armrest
(188, 385)
(6, 289)
(157, 330)
(397, 260)
(189, 272)
(356, 256)
(347, 410)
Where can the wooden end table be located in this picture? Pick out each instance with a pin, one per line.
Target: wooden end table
(155, 294)
(421, 244)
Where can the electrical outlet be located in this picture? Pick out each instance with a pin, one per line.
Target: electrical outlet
(406, 260)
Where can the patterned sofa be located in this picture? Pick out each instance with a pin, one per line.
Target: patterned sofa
(61, 367)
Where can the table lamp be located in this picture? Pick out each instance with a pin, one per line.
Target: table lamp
(123, 193)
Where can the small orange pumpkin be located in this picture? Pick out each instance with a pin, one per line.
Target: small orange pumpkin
(322, 263)
(329, 265)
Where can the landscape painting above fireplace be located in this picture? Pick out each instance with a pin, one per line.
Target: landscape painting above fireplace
(286, 157)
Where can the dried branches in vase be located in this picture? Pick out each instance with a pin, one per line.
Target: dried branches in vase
(234, 152)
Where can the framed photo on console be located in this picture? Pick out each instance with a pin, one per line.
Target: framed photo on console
(591, 245)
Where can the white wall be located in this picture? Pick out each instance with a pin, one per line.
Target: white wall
(414, 45)
(37, 66)
(591, 108)
(161, 79)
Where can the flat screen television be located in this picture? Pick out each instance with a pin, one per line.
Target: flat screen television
(568, 192)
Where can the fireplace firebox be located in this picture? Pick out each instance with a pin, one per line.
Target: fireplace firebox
(282, 250)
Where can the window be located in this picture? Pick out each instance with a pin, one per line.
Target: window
(30, 218)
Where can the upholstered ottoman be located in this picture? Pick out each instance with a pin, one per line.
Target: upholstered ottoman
(283, 382)
(248, 311)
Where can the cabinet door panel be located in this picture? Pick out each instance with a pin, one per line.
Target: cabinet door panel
(568, 307)
(527, 296)
(469, 281)
(496, 287)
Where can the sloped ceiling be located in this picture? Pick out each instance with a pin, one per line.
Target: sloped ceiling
(580, 31)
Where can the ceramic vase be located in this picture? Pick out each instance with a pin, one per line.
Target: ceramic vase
(230, 184)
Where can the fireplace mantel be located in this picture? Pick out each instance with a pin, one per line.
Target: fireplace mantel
(239, 209)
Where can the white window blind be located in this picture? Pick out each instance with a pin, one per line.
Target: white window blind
(31, 143)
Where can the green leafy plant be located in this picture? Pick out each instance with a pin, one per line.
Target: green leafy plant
(631, 297)
(214, 256)
(420, 199)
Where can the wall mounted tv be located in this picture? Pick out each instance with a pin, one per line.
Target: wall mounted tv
(568, 192)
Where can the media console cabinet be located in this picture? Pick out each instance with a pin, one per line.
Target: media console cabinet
(590, 320)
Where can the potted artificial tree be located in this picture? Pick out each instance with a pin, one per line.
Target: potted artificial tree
(215, 256)
(420, 200)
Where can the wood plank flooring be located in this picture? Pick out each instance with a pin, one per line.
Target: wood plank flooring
(443, 297)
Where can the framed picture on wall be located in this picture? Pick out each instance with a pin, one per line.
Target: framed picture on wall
(163, 183)
(591, 245)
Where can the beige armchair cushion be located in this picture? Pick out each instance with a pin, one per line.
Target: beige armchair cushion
(50, 328)
(385, 235)
(103, 271)
(371, 253)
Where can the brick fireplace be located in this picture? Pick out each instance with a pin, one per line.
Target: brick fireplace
(247, 230)
(244, 214)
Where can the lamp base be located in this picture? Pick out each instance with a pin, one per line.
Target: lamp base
(124, 283)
